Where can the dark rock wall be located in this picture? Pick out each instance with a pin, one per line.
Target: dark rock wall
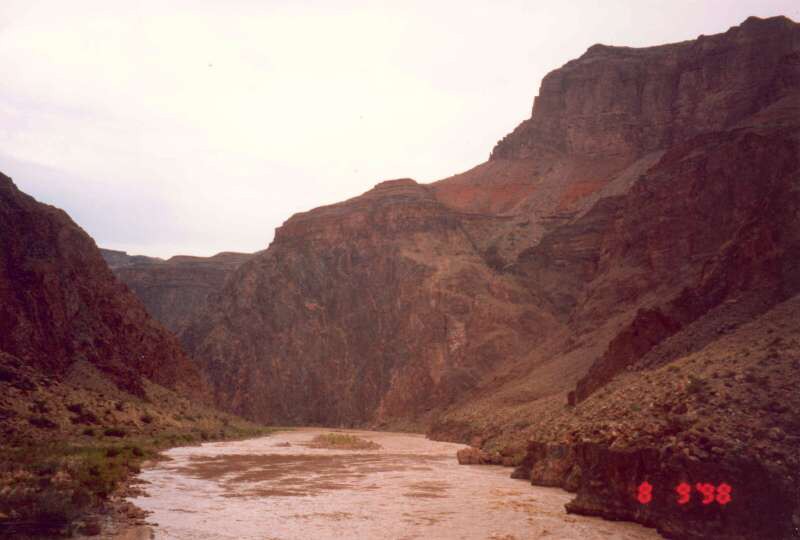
(60, 303)
(176, 289)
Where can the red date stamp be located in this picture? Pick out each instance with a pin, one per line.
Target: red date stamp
(708, 493)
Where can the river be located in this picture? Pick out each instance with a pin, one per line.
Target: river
(412, 488)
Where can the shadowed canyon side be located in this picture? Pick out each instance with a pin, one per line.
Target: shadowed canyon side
(173, 290)
(61, 304)
(90, 384)
(633, 248)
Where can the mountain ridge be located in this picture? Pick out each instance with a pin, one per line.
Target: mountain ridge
(651, 197)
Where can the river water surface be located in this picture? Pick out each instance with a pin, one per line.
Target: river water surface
(278, 487)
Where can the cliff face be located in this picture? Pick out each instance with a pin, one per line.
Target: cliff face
(379, 308)
(624, 237)
(603, 119)
(626, 101)
(60, 304)
(173, 290)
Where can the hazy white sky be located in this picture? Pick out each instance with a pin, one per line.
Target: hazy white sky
(196, 126)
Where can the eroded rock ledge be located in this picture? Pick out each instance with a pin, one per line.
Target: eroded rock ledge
(606, 481)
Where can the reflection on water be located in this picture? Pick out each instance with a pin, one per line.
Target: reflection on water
(277, 487)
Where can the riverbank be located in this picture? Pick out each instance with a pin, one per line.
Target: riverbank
(59, 488)
(120, 519)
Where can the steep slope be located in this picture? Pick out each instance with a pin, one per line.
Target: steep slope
(641, 219)
(90, 385)
(601, 120)
(577, 171)
(60, 303)
(173, 290)
(379, 308)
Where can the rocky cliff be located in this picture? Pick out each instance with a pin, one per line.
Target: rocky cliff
(318, 329)
(90, 384)
(626, 236)
(173, 290)
(60, 304)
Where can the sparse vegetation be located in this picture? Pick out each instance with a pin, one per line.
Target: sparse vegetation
(343, 441)
(76, 408)
(42, 422)
(114, 432)
(6, 375)
(56, 472)
(84, 416)
(39, 406)
(696, 385)
(46, 486)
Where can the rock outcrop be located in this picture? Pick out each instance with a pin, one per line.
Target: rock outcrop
(61, 304)
(616, 246)
(622, 101)
(376, 309)
(174, 290)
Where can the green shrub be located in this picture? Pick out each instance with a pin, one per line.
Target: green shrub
(39, 406)
(114, 432)
(344, 441)
(76, 408)
(100, 474)
(6, 375)
(45, 512)
(85, 417)
(42, 422)
(696, 385)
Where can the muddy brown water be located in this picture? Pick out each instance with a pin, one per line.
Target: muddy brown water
(412, 488)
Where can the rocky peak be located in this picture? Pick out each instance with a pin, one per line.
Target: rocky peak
(119, 259)
(392, 205)
(629, 101)
(400, 182)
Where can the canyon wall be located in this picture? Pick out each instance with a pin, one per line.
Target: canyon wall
(637, 170)
(379, 308)
(61, 304)
(173, 290)
(590, 287)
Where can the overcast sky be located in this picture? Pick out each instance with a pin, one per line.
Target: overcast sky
(193, 127)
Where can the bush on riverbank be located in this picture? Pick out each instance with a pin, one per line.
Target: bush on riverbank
(47, 487)
(343, 441)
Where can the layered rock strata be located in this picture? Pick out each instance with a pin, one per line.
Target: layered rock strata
(629, 233)
(174, 290)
